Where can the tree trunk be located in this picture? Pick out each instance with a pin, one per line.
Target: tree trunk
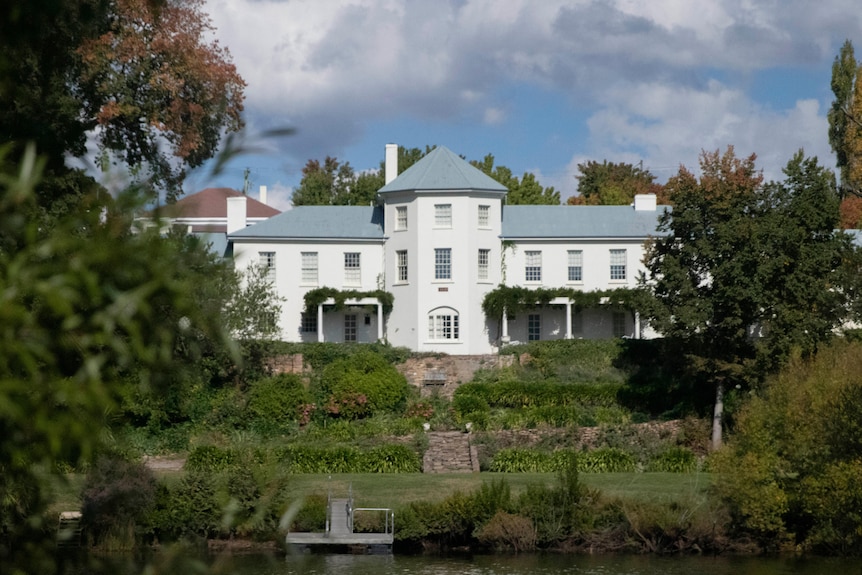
(717, 416)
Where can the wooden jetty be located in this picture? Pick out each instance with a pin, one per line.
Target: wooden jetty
(339, 533)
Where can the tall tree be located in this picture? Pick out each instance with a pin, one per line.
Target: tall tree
(746, 272)
(323, 184)
(613, 184)
(337, 184)
(161, 92)
(140, 75)
(841, 117)
(526, 190)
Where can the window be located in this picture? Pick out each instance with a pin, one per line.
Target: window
(618, 264)
(309, 323)
(443, 263)
(352, 272)
(484, 256)
(309, 268)
(443, 324)
(350, 327)
(401, 218)
(576, 265)
(484, 219)
(534, 327)
(401, 263)
(443, 215)
(619, 324)
(533, 271)
(266, 260)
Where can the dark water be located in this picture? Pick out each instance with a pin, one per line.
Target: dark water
(535, 564)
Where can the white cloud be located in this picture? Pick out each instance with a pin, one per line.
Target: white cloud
(662, 79)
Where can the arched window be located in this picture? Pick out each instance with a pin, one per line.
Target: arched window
(443, 324)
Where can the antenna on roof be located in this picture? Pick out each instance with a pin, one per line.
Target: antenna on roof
(246, 182)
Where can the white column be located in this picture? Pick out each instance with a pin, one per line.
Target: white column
(379, 321)
(637, 325)
(505, 328)
(320, 323)
(569, 319)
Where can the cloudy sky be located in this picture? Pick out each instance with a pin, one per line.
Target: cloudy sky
(543, 85)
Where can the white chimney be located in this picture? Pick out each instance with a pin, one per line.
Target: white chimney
(391, 162)
(645, 202)
(236, 213)
(263, 194)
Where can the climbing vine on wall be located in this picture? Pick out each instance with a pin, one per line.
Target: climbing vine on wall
(516, 299)
(318, 296)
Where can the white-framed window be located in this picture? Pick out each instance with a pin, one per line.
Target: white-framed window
(309, 268)
(266, 260)
(401, 218)
(618, 265)
(401, 264)
(309, 323)
(443, 324)
(352, 271)
(533, 269)
(442, 215)
(442, 263)
(618, 324)
(534, 327)
(484, 216)
(576, 265)
(350, 327)
(484, 257)
(577, 322)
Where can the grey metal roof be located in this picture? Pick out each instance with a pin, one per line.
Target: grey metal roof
(442, 169)
(217, 242)
(579, 222)
(343, 222)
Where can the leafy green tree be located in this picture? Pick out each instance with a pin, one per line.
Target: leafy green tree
(613, 184)
(790, 472)
(83, 306)
(337, 184)
(748, 272)
(329, 183)
(841, 116)
(527, 190)
(141, 71)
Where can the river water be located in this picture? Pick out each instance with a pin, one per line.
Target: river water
(538, 564)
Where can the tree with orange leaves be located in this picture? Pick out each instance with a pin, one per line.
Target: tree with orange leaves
(161, 95)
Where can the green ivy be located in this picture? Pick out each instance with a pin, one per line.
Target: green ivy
(515, 299)
(318, 296)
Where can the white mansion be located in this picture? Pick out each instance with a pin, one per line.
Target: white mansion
(441, 238)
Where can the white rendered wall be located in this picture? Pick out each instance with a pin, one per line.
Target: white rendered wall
(330, 264)
(423, 293)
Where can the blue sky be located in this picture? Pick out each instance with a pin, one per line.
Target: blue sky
(541, 85)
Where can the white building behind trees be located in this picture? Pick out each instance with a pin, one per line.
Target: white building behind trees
(439, 240)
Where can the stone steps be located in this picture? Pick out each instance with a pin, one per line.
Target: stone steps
(450, 452)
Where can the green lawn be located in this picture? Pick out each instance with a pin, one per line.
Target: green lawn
(393, 490)
(396, 489)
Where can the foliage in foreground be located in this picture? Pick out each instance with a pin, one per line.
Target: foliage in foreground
(790, 474)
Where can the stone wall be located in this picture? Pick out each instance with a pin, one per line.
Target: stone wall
(438, 373)
(444, 373)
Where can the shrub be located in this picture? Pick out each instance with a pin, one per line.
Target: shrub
(116, 497)
(520, 461)
(469, 407)
(368, 374)
(188, 510)
(606, 460)
(508, 531)
(674, 460)
(277, 399)
(210, 459)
